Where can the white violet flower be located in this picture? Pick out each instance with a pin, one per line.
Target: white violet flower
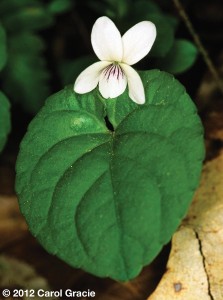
(116, 55)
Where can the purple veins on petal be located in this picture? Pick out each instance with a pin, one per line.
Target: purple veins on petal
(114, 70)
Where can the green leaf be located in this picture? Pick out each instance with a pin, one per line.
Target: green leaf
(165, 35)
(32, 17)
(26, 72)
(70, 69)
(165, 25)
(172, 20)
(3, 48)
(119, 8)
(108, 201)
(144, 7)
(5, 123)
(26, 43)
(59, 6)
(28, 77)
(180, 58)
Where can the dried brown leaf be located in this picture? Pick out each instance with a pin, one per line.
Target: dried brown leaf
(195, 266)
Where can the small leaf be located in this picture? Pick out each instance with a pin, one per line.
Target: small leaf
(28, 77)
(59, 6)
(34, 17)
(144, 7)
(180, 57)
(165, 25)
(26, 42)
(119, 7)
(165, 35)
(5, 123)
(108, 201)
(172, 20)
(26, 72)
(3, 48)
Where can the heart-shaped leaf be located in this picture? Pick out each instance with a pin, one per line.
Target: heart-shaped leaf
(107, 201)
(5, 123)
